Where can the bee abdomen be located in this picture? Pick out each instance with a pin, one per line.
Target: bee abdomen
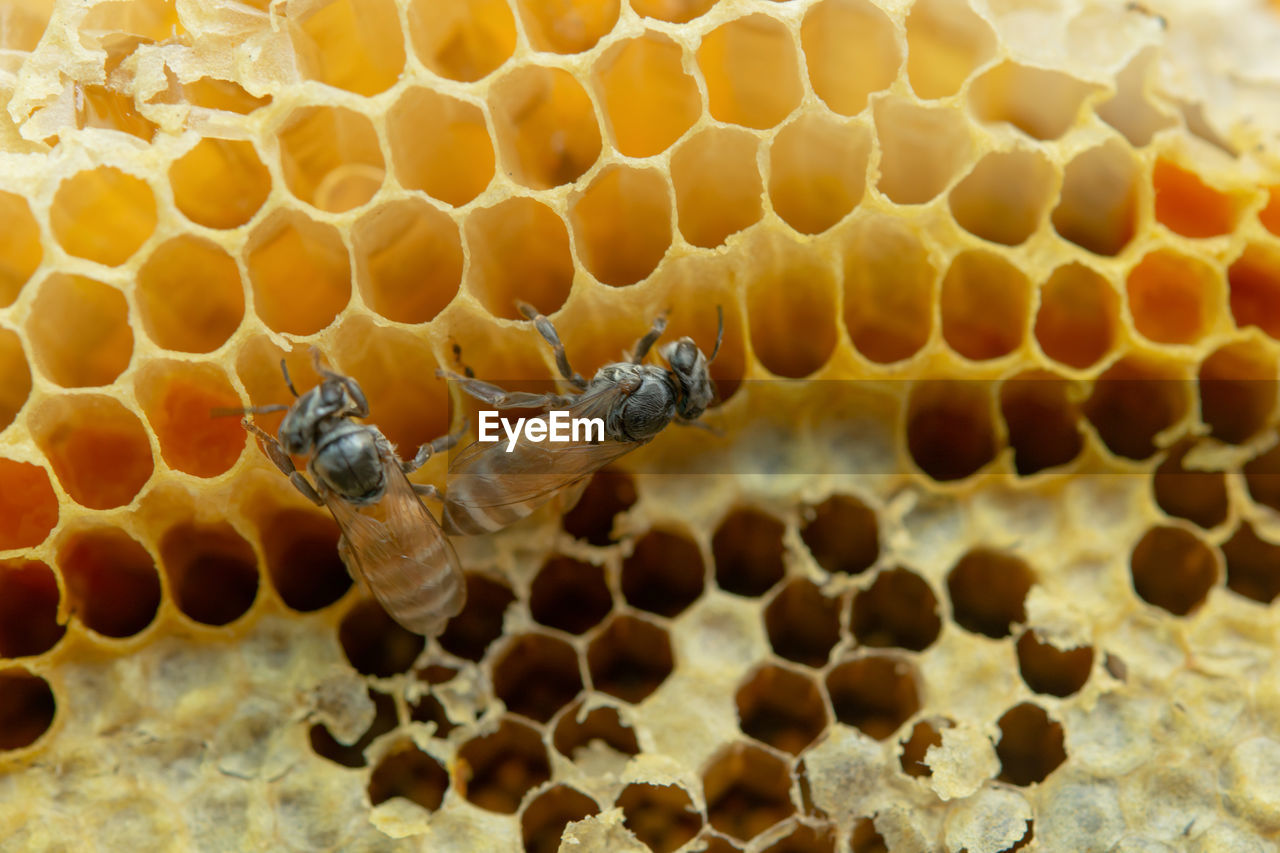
(427, 593)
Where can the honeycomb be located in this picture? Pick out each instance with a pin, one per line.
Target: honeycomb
(980, 556)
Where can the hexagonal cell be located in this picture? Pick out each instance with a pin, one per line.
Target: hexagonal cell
(608, 493)
(1196, 495)
(1050, 670)
(440, 145)
(103, 214)
(408, 260)
(675, 11)
(630, 658)
(663, 817)
(1078, 317)
(25, 26)
(1133, 401)
(353, 45)
(782, 708)
(462, 41)
(718, 186)
(946, 41)
(111, 581)
(1098, 204)
(841, 534)
(576, 730)
(299, 271)
(469, 634)
(226, 95)
(567, 26)
(622, 222)
(888, 289)
(1041, 103)
(817, 171)
(532, 232)
(504, 766)
(1255, 288)
(950, 428)
(1004, 197)
(301, 550)
(330, 157)
(924, 734)
(374, 643)
(545, 126)
(190, 296)
(1262, 476)
(220, 183)
(352, 755)
(569, 595)
(408, 772)
(749, 66)
(1031, 745)
(803, 624)
(28, 608)
(922, 149)
(1186, 205)
(544, 819)
(79, 331)
(176, 397)
(647, 98)
(20, 249)
(1173, 569)
(28, 505)
(985, 304)
(899, 609)
(790, 288)
(1253, 565)
(748, 552)
(664, 574)
(1173, 297)
(98, 449)
(27, 707)
(988, 591)
(852, 50)
(212, 571)
(1237, 390)
(875, 694)
(1042, 420)
(15, 377)
(748, 790)
(536, 675)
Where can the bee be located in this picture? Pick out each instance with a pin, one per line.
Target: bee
(491, 487)
(390, 542)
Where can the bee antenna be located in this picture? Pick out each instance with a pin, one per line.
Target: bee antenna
(719, 332)
(288, 381)
(227, 411)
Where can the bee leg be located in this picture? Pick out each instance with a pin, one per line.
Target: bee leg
(427, 490)
(650, 338)
(276, 454)
(431, 448)
(551, 336)
(500, 399)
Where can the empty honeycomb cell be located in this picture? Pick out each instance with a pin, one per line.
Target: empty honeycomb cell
(664, 574)
(1134, 400)
(331, 157)
(748, 790)
(429, 710)
(1255, 288)
(220, 183)
(545, 125)
(25, 24)
(440, 145)
(106, 108)
(300, 273)
(1041, 103)
(841, 534)
(543, 821)
(353, 45)
(792, 290)
(985, 303)
(20, 249)
(718, 844)
(1030, 746)
(212, 572)
(1042, 420)
(630, 658)
(1050, 670)
(469, 634)
(899, 609)
(503, 766)
(226, 95)
(622, 224)
(888, 290)
(782, 708)
(1172, 297)
(1186, 205)
(408, 258)
(803, 624)
(569, 595)
(374, 643)
(1196, 495)
(950, 431)
(301, 549)
(567, 26)
(1098, 205)
(805, 839)
(663, 817)
(915, 748)
(1253, 565)
(748, 552)
(79, 331)
(1269, 216)
(988, 591)
(190, 296)
(149, 20)
(718, 186)
(1237, 390)
(675, 11)
(576, 730)
(98, 449)
(525, 229)
(1004, 197)
(607, 494)
(28, 608)
(28, 505)
(852, 50)
(27, 707)
(817, 171)
(408, 772)
(875, 694)
(103, 214)
(536, 675)
(1173, 569)
(462, 41)
(177, 397)
(749, 66)
(647, 98)
(110, 580)
(946, 41)
(865, 838)
(1078, 317)
(922, 149)
(352, 755)
(15, 377)
(1262, 476)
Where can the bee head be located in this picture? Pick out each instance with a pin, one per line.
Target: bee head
(690, 370)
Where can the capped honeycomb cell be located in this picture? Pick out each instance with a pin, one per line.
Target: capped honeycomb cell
(985, 302)
(536, 675)
(946, 41)
(803, 624)
(98, 449)
(324, 744)
(1098, 204)
(817, 171)
(1047, 669)
(1042, 420)
(353, 45)
(717, 184)
(1173, 569)
(747, 790)
(408, 259)
(1237, 390)
(525, 229)
(663, 817)
(950, 428)
(569, 595)
(922, 149)
(630, 658)
(440, 145)
(79, 331)
(20, 249)
(103, 214)
(504, 766)
(841, 534)
(749, 553)
(749, 66)
(852, 50)
(15, 377)
(791, 290)
(1030, 745)
(664, 573)
(576, 730)
(1004, 197)
(1198, 496)
(1253, 565)
(28, 608)
(545, 125)
(462, 41)
(543, 821)
(374, 643)
(220, 183)
(28, 505)
(622, 224)
(608, 493)
(1173, 297)
(988, 592)
(924, 734)
(177, 397)
(408, 772)
(1134, 400)
(211, 570)
(469, 634)
(1255, 288)
(675, 11)
(567, 26)
(111, 582)
(301, 550)
(898, 609)
(212, 93)
(27, 708)
(1041, 103)
(330, 157)
(888, 290)
(647, 98)
(782, 708)
(1186, 205)
(299, 271)
(874, 693)
(190, 297)
(1078, 317)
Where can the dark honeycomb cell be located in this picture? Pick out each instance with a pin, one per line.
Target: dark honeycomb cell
(28, 505)
(608, 493)
(748, 790)
(504, 766)
(603, 724)
(781, 708)
(111, 581)
(988, 591)
(1031, 745)
(1262, 476)
(1173, 569)
(536, 675)
(27, 707)
(408, 772)
(1050, 670)
(212, 572)
(876, 694)
(1198, 496)
(28, 608)
(630, 658)
(924, 734)
(1237, 390)
(429, 710)
(469, 633)
(301, 548)
(719, 844)
(324, 744)
(865, 838)
(950, 428)
(1042, 419)
(748, 551)
(802, 623)
(898, 609)
(373, 642)
(661, 816)
(1253, 565)
(569, 595)
(664, 574)
(841, 534)
(806, 838)
(1135, 399)
(545, 818)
